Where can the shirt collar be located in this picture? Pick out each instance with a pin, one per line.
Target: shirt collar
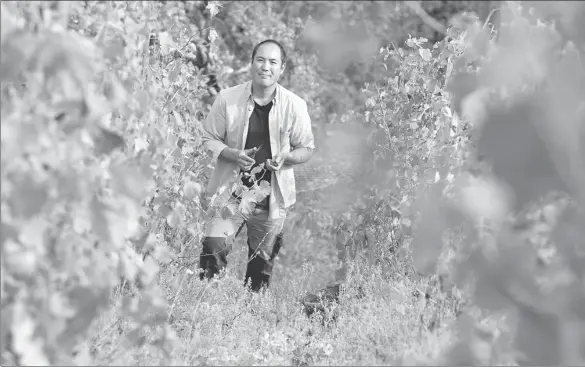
(249, 92)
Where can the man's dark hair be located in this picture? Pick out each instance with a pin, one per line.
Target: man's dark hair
(282, 51)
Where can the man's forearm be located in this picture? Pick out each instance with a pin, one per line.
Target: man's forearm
(298, 156)
(229, 154)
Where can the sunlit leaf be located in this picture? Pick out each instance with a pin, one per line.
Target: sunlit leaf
(256, 170)
(264, 189)
(212, 35)
(166, 42)
(60, 306)
(128, 264)
(10, 22)
(149, 270)
(213, 7)
(140, 143)
(483, 198)
(178, 118)
(175, 71)
(248, 202)
(163, 254)
(175, 219)
(25, 343)
(425, 53)
(18, 259)
(192, 189)
(32, 233)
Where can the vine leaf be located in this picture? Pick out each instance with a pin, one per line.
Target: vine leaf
(175, 71)
(28, 197)
(87, 302)
(569, 236)
(129, 181)
(425, 53)
(175, 219)
(213, 7)
(247, 203)
(460, 86)
(538, 337)
(427, 245)
(99, 219)
(29, 348)
(510, 142)
(106, 141)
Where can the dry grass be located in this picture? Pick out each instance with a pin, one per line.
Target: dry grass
(390, 322)
(222, 323)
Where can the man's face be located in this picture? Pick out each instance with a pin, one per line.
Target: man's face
(267, 65)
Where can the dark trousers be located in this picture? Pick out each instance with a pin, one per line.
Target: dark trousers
(213, 258)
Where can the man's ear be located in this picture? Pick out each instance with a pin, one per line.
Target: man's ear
(283, 67)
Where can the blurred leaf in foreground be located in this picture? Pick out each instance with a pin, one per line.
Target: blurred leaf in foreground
(26, 344)
(436, 216)
(105, 141)
(538, 338)
(28, 197)
(511, 143)
(569, 237)
(87, 301)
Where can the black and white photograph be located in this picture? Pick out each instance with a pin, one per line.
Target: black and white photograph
(292, 183)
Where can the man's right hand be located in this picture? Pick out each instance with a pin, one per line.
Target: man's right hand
(243, 158)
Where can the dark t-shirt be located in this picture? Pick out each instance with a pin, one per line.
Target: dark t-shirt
(259, 136)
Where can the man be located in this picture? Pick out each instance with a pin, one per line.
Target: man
(256, 126)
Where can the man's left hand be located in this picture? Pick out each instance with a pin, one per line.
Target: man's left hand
(276, 163)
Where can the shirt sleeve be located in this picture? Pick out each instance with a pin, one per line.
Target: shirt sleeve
(301, 134)
(214, 128)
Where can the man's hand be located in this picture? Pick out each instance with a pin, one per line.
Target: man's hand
(297, 156)
(276, 163)
(243, 158)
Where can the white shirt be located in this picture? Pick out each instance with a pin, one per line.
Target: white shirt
(226, 125)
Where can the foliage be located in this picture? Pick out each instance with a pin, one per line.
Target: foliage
(523, 101)
(469, 141)
(93, 121)
(476, 162)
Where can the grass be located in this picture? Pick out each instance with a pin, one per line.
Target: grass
(222, 323)
(389, 321)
